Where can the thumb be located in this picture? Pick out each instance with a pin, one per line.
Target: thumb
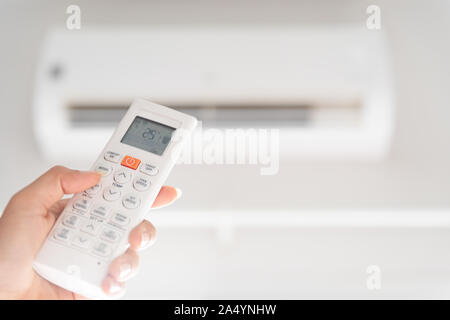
(21, 238)
(49, 188)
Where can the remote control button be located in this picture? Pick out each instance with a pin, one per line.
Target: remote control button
(94, 189)
(112, 156)
(82, 204)
(71, 221)
(130, 162)
(122, 176)
(103, 169)
(102, 249)
(131, 201)
(149, 169)
(100, 211)
(82, 241)
(120, 219)
(62, 234)
(141, 183)
(110, 235)
(92, 227)
(111, 193)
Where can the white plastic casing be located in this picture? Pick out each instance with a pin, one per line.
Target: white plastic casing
(79, 269)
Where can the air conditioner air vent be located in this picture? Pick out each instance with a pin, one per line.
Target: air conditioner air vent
(254, 115)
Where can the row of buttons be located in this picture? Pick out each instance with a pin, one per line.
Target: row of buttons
(129, 201)
(121, 175)
(131, 163)
(140, 183)
(91, 226)
(67, 236)
(103, 212)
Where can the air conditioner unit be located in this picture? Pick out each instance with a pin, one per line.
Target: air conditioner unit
(328, 90)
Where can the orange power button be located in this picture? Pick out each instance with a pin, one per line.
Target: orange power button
(131, 162)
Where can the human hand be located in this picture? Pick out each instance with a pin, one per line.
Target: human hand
(29, 217)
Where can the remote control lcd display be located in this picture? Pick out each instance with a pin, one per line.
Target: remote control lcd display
(148, 135)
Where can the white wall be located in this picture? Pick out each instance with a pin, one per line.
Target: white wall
(312, 261)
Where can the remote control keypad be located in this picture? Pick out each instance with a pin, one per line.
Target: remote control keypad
(97, 219)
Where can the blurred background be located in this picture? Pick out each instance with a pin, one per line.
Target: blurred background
(363, 117)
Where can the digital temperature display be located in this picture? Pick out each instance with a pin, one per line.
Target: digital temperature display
(148, 135)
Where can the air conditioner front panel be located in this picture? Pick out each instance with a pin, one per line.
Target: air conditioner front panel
(327, 90)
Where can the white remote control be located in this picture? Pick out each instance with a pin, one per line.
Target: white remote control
(94, 226)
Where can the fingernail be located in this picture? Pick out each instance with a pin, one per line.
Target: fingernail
(125, 271)
(97, 173)
(114, 288)
(145, 240)
(179, 193)
(89, 172)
